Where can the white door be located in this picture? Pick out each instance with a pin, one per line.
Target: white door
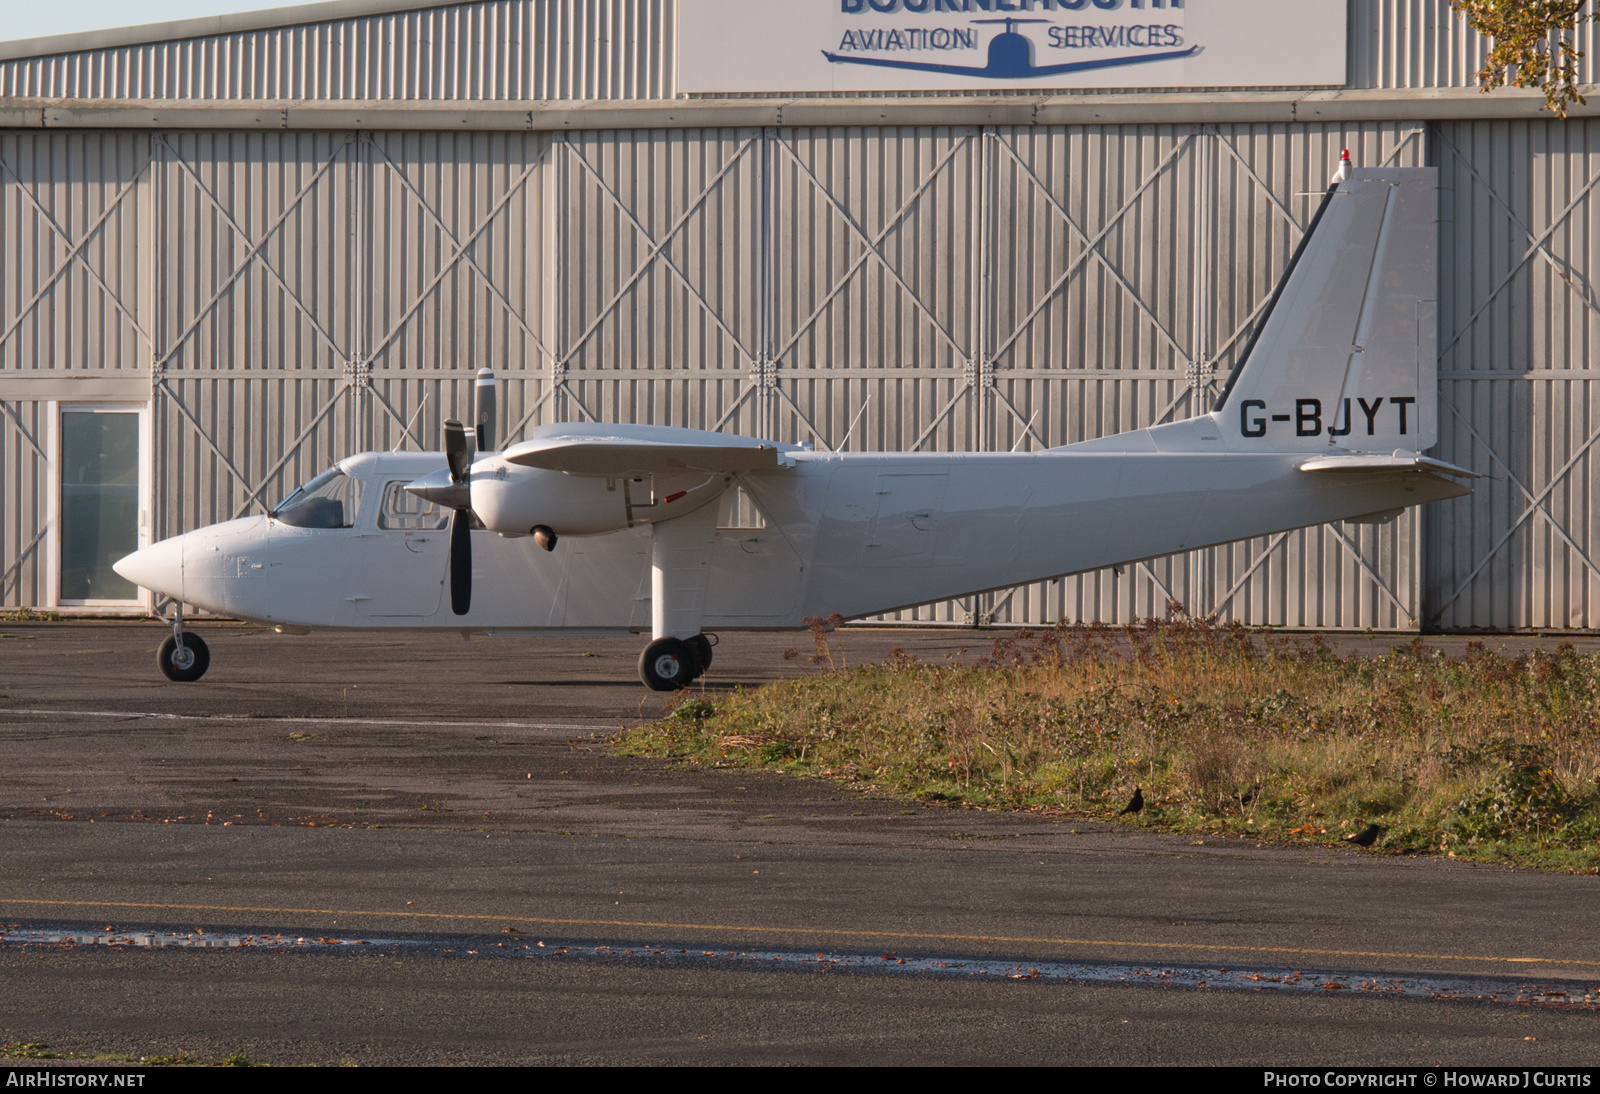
(409, 555)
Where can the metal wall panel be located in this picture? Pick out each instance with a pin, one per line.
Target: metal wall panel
(499, 49)
(456, 231)
(1519, 324)
(24, 502)
(1132, 263)
(315, 294)
(328, 293)
(1421, 43)
(901, 289)
(659, 279)
(1411, 43)
(584, 49)
(304, 295)
(71, 225)
(280, 299)
(75, 305)
(875, 279)
(254, 329)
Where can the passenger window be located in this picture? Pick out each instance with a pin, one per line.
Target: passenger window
(407, 512)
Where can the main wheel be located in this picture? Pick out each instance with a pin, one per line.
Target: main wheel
(666, 664)
(187, 663)
(700, 646)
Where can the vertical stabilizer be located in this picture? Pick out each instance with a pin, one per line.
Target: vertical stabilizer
(1345, 359)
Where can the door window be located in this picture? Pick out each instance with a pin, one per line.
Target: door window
(407, 512)
(99, 502)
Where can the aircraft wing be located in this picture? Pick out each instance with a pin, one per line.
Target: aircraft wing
(589, 454)
(1371, 462)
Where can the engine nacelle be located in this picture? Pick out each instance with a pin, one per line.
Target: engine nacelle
(513, 499)
(516, 500)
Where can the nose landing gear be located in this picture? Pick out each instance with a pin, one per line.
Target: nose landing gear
(183, 658)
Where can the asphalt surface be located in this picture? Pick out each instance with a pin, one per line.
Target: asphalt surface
(393, 823)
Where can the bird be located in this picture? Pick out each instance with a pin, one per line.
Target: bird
(1366, 837)
(1135, 803)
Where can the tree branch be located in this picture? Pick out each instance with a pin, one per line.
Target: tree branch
(1534, 45)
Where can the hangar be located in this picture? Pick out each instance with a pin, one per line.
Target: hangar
(235, 249)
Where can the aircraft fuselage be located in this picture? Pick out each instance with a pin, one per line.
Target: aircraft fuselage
(856, 534)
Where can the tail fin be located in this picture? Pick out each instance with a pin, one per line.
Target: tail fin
(1345, 358)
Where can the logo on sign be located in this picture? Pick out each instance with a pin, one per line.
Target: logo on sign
(739, 46)
(1011, 53)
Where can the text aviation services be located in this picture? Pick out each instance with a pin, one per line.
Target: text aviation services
(873, 45)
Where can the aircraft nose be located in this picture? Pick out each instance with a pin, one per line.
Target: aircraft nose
(158, 567)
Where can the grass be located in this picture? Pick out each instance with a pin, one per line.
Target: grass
(1229, 732)
(28, 615)
(33, 1050)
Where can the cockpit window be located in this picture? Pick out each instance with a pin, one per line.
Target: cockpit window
(327, 501)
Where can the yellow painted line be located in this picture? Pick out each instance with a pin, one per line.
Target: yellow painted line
(825, 932)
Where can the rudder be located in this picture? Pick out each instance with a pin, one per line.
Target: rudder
(1346, 358)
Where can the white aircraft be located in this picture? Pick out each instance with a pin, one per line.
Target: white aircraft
(623, 528)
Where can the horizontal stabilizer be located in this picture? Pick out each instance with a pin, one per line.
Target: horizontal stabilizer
(1373, 462)
(619, 456)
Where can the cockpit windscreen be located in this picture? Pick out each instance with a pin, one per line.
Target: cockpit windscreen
(327, 501)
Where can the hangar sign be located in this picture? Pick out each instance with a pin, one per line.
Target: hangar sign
(733, 46)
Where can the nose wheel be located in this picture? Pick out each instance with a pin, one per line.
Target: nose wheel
(184, 657)
(668, 664)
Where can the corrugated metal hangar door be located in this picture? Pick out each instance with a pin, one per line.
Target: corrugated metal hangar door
(254, 324)
(1519, 323)
(75, 303)
(276, 300)
(322, 294)
(970, 289)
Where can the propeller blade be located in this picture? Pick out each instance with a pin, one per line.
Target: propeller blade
(461, 561)
(484, 408)
(455, 450)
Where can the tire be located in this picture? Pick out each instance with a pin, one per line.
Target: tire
(666, 664)
(700, 647)
(187, 665)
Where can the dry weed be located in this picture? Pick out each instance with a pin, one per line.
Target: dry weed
(1489, 755)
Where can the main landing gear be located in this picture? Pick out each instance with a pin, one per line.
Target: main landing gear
(184, 657)
(680, 564)
(668, 664)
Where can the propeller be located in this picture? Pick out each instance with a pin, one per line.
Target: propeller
(483, 398)
(452, 490)
(455, 454)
